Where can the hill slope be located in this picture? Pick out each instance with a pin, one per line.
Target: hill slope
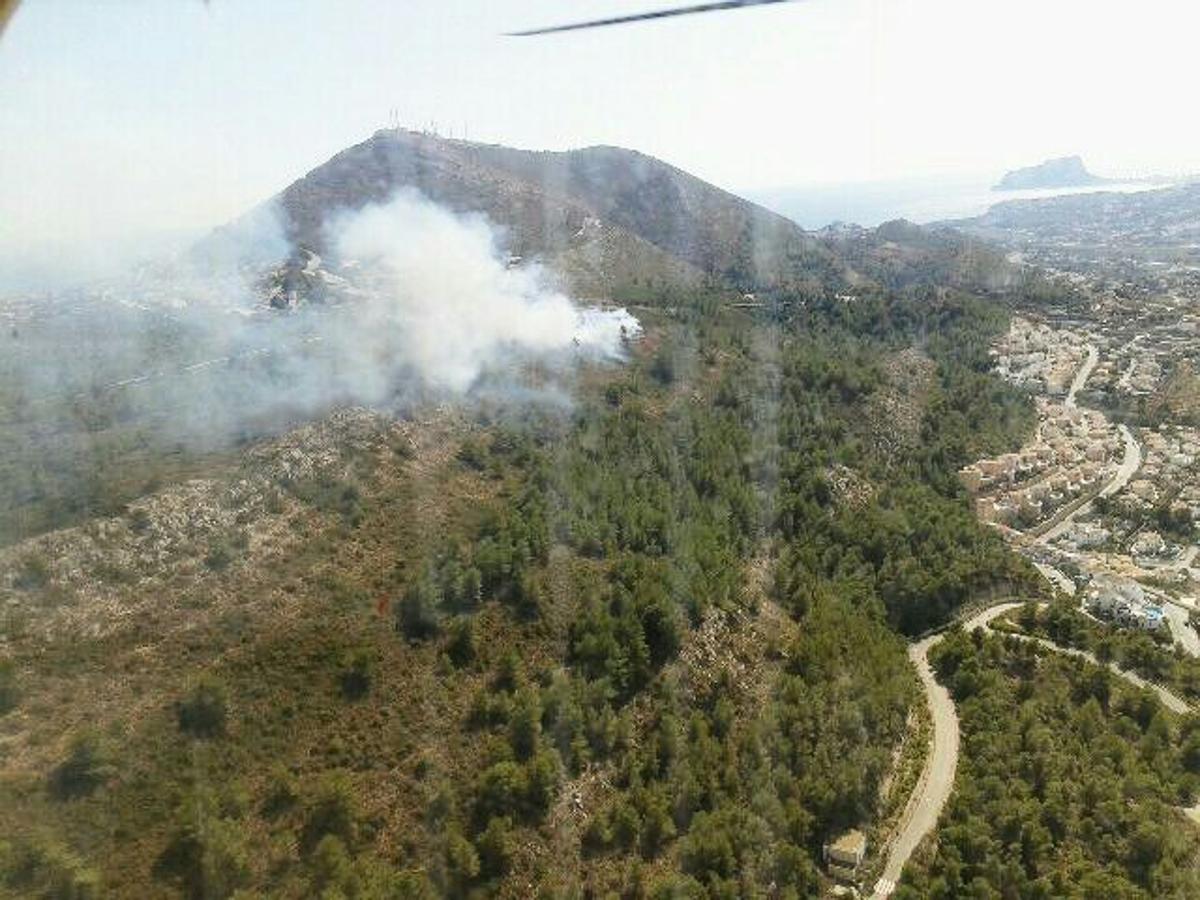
(639, 643)
(639, 216)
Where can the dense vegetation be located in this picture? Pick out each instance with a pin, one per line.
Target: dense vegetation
(914, 546)
(648, 646)
(1152, 655)
(1066, 782)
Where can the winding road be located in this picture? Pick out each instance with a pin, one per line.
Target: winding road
(1130, 463)
(937, 777)
(933, 789)
(1081, 377)
(985, 618)
(1176, 612)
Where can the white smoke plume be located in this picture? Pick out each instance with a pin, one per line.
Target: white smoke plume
(447, 303)
(421, 304)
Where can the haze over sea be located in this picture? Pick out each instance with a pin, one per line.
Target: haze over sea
(920, 200)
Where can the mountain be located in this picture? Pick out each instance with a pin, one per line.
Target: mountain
(638, 631)
(1064, 172)
(604, 217)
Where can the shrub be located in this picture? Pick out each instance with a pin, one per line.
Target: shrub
(657, 825)
(225, 549)
(86, 767)
(495, 848)
(461, 860)
(510, 672)
(280, 794)
(10, 694)
(331, 811)
(139, 521)
(662, 368)
(678, 887)
(219, 557)
(596, 836)
(473, 454)
(543, 777)
(44, 869)
(461, 644)
(626, 825)
(204, 711)
(331, 496)
(358, 672)
(332, 868)
(501, 792)
(717, 843)
(525, 724)
(206, 856)
(489, 708)
(417, 612)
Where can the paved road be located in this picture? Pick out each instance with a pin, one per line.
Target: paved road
(1176, 610)
(937, 778)
(1130, 463)
(1123, 381)
(1184, 633)
(984, 619)
(1169, 700)
(1186, 558)
(1083, 374)
(1056, 577)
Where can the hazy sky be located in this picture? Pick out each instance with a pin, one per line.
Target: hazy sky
(122, 118)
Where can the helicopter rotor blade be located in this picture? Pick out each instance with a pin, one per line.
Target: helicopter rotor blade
(647, 16)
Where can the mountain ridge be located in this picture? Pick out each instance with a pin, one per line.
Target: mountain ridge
(583, 210)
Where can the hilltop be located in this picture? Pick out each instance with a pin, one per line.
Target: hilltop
(606, 217)
(616, 224)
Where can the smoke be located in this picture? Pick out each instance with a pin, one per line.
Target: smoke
(414, 304)
(441, 298)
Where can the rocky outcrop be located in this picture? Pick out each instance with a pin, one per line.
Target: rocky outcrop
(1064, 172)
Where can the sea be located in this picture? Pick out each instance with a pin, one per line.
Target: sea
(919, 200)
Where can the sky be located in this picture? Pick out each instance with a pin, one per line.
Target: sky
(125, 122)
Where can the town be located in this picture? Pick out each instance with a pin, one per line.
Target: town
(1104, 497)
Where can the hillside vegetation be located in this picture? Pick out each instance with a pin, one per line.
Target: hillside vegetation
(1067, 783)
(646, 645)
